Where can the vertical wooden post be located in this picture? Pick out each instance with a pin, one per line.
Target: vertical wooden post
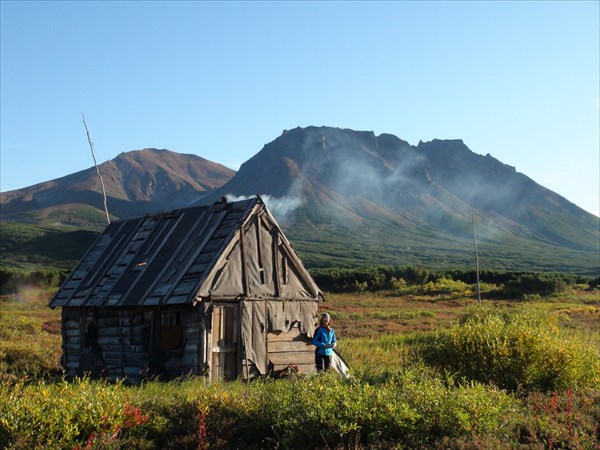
(244, 262)
(476, 262)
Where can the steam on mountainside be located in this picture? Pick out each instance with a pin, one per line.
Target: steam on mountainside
(378, 195)
(137, 182)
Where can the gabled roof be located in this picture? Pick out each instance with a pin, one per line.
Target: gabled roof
(182, 256)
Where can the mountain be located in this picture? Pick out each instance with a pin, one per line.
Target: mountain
(344, 198)
(354, 197)
(136, 183)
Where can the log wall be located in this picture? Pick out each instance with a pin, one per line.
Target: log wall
(126, 343)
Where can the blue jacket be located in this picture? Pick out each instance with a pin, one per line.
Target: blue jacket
(324, 337)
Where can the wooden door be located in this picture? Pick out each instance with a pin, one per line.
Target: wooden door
(225, 340)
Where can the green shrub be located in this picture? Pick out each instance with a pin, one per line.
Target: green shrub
(410, 409)
(401, 315)
(517, 350)
(444, 286)
(58, 415)
(538, 283)
(447, 410)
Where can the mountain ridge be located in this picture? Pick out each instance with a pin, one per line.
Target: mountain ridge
(349, 197)
(393, 189)
(137, 182)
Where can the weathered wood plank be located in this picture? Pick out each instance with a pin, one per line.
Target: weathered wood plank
(184, 288)
(198, 268)
(183, 362)
(136, 362)
(192, 335)
(75, 340)
(293, 335)
(289, 346)
(124, 355)
(71, 324)
(306, 357)
(72, 355)
(133, 371)
(109, 340)
(191, 348)
(119, 320)
(125, 362)
(214, 244)
(152, 301)
(176, 299)
(120, 330)
(71, 285)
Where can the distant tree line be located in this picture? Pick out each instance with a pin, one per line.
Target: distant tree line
(375, 278)
(372, 278)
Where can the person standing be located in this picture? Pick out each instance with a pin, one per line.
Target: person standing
(325, 342)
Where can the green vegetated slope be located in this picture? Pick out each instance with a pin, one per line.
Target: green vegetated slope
(361, 245)
(68, 215)
(30, 247)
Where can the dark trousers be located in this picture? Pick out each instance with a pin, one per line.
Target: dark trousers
(323, 362)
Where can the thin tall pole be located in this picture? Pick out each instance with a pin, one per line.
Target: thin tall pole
(476, 262)
(97, 170)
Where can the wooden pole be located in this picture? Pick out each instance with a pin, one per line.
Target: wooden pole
(97, 170)
(476, 262)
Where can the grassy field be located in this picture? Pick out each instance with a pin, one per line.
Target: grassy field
(428, 372)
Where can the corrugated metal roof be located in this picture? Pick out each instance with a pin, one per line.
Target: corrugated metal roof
(153, 260)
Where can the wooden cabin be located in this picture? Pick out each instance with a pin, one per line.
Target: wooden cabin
(212, 290)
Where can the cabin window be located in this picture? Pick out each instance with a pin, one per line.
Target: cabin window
(171, 333)
(170, 318)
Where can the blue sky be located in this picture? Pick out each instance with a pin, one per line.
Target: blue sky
(518, 80)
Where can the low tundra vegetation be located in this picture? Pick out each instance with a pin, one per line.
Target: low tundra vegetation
(459, 376)
(410, 409)
(29, 346)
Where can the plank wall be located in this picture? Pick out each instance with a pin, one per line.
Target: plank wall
(292, 348)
